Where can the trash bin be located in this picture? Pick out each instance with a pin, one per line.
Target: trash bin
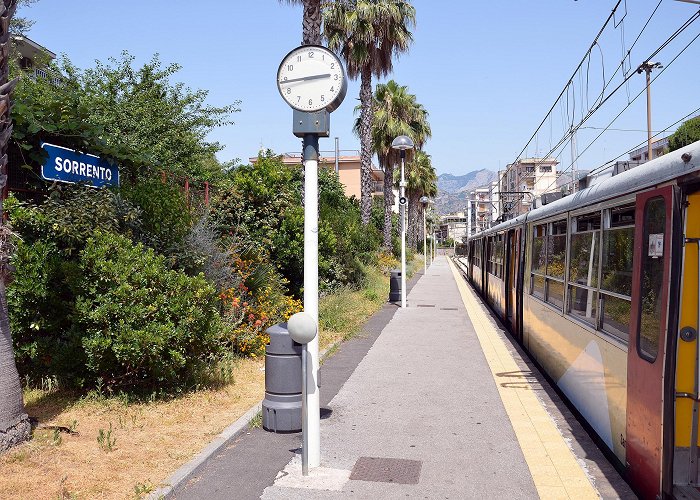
(395, 286)
(281, 408)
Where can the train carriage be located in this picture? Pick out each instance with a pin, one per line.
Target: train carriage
(601, 288)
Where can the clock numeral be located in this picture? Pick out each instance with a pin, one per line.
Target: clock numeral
(285, 78)
(335, 77)
(311, 102)
(311, 55)
(289, 91)
(323, 57)
(298, 58)
(332, 65)
(323, 98)
(290, 67)
(298, 98)
(332, 89)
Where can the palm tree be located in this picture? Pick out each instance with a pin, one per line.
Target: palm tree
(422, 181)
(367, 36)
(14, 422)
(396, 112)
(311, 21)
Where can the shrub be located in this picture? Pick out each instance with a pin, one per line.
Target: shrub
(167, 219)
(141, 323)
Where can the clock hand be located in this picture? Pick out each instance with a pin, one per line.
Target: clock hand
(314, 77)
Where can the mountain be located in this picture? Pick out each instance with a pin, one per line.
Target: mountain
(453, 190)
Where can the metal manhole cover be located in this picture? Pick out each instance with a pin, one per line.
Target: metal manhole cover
(386, 470)
(425, 305)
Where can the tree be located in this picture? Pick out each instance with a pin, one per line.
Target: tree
(14, 422)
(132, 115)
(687, 133)
(368, 36)
(311, 21)
(396, 112)
(422, 181)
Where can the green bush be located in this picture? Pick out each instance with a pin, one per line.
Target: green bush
(166, 218)
(141, 323)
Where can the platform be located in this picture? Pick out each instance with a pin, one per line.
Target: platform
(442, 405)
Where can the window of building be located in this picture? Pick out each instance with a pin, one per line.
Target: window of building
(545, 169)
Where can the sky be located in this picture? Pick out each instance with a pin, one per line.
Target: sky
(487, 72)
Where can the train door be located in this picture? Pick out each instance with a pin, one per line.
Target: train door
(512, 258)
(647, 340)
(686, 436)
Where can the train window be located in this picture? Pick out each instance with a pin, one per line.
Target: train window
(555, 293)
(584, 253)
(539, 250)
(538, 286)
(652, 280)
(616, 316)
(583, 304)
(616, 271)
(622, 216)
(583, 258)
(618, 250)
(495, 265)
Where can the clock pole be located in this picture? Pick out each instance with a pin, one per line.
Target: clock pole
(312, 423)
(312, 80)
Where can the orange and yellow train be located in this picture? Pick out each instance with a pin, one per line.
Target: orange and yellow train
(601, 288)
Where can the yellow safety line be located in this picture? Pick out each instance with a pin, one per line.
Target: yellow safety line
(554, 468)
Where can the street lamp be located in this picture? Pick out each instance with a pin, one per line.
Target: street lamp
(402, 143)
(647, 67)
(424, 201)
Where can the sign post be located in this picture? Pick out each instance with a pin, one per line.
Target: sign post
(312, 80)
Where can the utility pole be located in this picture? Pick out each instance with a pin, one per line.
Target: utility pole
(574, 157)
(647, 67)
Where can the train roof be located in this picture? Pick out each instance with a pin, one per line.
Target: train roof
(652, 173)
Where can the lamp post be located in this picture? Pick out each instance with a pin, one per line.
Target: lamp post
(424, 201)
(647, 67)
(402, 143)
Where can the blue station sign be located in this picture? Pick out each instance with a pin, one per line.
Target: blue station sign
(65, 165)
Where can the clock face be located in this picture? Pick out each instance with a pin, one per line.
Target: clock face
(311, 78)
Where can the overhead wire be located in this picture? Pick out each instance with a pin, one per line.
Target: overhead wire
(566, 137)
(628, 105)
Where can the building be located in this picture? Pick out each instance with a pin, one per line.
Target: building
(658, 148)
(479, 210)
(452, 227)
(348, 172)
(524, 181)
(34, 57)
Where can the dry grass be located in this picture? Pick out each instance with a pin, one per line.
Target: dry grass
(151, 440)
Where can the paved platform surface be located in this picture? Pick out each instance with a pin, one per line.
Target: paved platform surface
(442, 405)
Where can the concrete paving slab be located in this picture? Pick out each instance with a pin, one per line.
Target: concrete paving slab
(424, 392)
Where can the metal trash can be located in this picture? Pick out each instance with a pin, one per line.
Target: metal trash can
(281, 408)
(395, 286)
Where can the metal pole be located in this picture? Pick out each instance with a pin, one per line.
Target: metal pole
(649, 151)
(313, 413)
(337, 152)
(402, 187)
(304, 416)
(425, 245)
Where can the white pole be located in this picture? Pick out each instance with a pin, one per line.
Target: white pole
(402, 187)
(313, 413)
(425, 248)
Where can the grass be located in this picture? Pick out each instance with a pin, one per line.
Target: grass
(339, 322)
(104, 446)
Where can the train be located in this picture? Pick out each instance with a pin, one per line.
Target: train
(601, 289)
